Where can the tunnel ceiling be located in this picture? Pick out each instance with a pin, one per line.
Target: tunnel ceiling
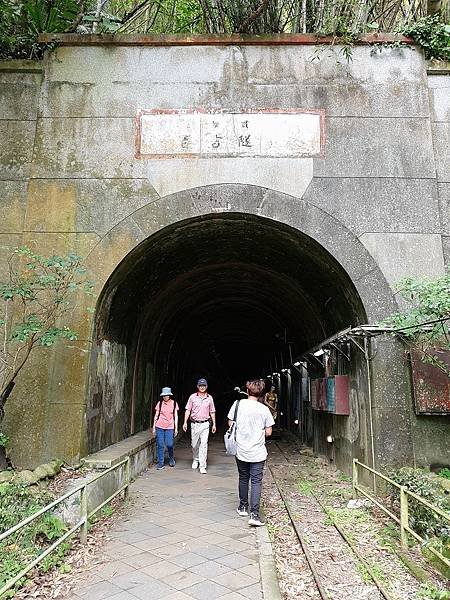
(221, 294)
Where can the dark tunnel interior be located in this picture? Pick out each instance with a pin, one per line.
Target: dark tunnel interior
(222, 296)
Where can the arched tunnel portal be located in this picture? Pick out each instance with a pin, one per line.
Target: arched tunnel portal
(219, 296)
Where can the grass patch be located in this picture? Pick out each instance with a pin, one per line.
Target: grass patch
(345, 516)
(378, 572)
(428, 591)
(305, 487)
(339, 492)
(389, 535)
(272, 530)
(364, 573)
(107, 511)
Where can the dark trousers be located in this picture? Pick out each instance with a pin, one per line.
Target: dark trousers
(250, 471)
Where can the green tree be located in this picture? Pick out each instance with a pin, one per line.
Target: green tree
(36, 301)
(424, 325)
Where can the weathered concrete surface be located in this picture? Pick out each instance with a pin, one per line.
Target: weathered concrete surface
(108, 457)
(402, 254)
(439, 91)
(377, 201)
(391, 404)
(139, 449)
(439, 95)
(441, 138)
(265, 172)
(366, 205)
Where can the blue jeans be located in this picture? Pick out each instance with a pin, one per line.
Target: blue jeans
(164, 437)
(250, 471)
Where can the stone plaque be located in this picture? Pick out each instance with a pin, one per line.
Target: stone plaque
(194, 134)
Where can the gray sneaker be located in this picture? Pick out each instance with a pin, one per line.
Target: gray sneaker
(255, 521)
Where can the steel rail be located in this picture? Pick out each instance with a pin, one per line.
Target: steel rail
(322, 591)
(341, 532)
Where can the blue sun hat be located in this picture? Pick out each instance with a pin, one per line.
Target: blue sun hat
(166, 391)
(202, 382)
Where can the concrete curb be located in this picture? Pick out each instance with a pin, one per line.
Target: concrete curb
(269, 579)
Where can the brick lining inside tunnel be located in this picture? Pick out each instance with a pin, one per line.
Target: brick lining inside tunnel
(212, 296)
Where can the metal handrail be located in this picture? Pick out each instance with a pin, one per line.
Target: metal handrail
(403, 521)
(82, 524)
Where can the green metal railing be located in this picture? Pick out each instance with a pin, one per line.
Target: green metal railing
(403, 520)
(82, 524)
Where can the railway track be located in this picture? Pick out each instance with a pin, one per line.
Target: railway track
(337, 567)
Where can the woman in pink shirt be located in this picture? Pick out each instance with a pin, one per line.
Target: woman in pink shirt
(165, 426)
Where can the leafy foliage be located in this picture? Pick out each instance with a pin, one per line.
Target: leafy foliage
(17, 503)
(428, 302)
(445, 473)
(423, 520)
(432, 35)
(343, 19)
(35, 303)
(23, 20)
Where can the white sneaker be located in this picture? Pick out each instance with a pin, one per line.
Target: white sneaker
(203, 470)
(195, 464)
(255, 520)
(242, 510)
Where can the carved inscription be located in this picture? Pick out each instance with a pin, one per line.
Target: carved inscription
(169, 134)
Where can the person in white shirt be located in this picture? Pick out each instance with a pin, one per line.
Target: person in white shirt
(254, 423)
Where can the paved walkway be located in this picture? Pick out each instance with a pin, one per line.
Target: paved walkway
(181, 539)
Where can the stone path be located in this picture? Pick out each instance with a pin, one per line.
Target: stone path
(181, 539)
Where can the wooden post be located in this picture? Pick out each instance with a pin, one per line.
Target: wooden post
(404, 520)
(83, 514)
(355, 478)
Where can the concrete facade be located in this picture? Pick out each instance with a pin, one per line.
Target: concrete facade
(376, 202)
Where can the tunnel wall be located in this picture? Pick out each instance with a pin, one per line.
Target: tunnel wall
(70, 182)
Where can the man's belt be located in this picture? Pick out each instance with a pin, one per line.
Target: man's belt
(205, 421)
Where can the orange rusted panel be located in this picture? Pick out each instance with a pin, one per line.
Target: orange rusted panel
(431, 385)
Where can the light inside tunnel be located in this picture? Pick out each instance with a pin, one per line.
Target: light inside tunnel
(223, 296)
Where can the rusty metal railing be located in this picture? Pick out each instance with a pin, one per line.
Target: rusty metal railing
(403, 520)
(82, 525)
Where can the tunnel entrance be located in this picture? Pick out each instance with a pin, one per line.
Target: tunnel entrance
(219, 296)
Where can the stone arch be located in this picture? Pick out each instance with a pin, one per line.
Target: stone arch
(375, 293)
(343, 259)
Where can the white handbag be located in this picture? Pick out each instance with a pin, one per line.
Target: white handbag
(230, 436)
